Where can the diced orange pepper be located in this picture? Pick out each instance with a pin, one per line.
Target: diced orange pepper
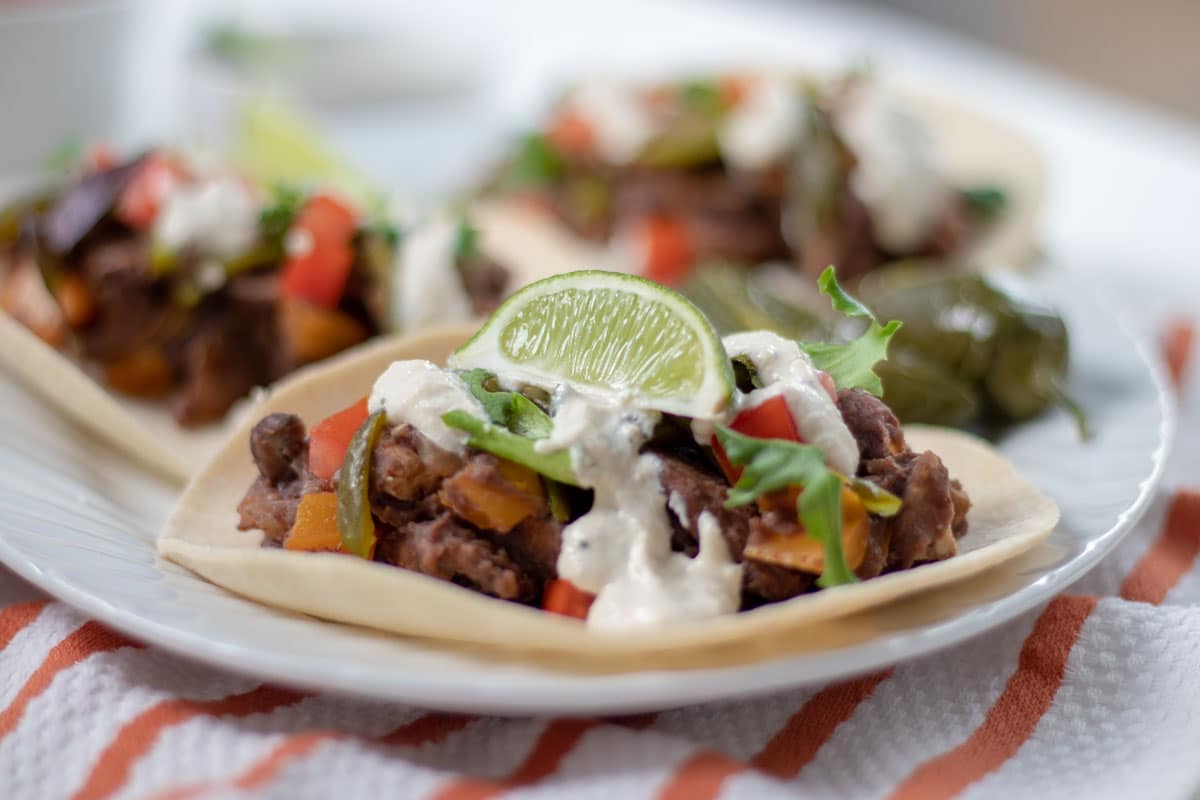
(312, 333)
(75, 299)
(315, 528)
(143, 373)
(797, 550)
(495, 505)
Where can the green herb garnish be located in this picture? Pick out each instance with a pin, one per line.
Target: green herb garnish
(466, 242)
(770, 465)
(852, 365)
(986, 202)
(513, 410)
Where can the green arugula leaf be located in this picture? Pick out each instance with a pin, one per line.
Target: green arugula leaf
(852, 365)
(466, 241)
(986, 202)
(504, 443)
(536, 163)
(513, 410)
(702, 96)
(773, 464)
(277, 216)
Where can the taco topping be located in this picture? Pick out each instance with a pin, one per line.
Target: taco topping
(591, 500)
(747, 169)
(191, 285)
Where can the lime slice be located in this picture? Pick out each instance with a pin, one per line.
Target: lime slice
(607, 333)
(274, 143)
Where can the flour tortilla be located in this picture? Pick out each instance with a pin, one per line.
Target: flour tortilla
(145, 429)
(1008, 517)
(975, 150)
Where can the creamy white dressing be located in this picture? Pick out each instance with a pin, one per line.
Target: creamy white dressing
(428, 288)
(620, 121)
(897, 175)
(786, 371)
(621, 549)
(765, 126)
(418, 393)
(216, 216)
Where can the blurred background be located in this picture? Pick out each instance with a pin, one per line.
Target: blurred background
(391, 77)
(425, 95)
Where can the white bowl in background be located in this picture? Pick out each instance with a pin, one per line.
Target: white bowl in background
(66, 68)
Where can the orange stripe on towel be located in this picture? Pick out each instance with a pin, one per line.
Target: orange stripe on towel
(88, 639)
(1016, 713)
(792, 748)
(1171, 556)
(138, 736)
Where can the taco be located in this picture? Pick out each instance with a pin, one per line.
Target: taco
(751, 168)
(149, 297)
(595, 451)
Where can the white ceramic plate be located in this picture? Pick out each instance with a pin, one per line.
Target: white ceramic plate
(79, 521)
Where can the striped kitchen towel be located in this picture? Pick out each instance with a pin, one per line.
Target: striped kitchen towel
(1097, 695)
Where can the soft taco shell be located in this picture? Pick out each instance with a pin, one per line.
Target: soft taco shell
(975, 150)
(145, 429)
(1008, 517)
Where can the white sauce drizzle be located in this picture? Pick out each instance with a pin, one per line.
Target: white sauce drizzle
(418, 393)
(764, 127)
(898, 176)
(428, 288)
(621, 549)
(619, 119)
(786, 370)
(217, 216)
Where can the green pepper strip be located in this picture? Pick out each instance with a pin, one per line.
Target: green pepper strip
(353, 488)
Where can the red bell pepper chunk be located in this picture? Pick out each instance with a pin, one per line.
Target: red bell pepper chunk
(142, 198)
(572, 134)
(100, 157)
(563, 597)
(668, 249)
(770, 419)
(323, 254)
(329, 438)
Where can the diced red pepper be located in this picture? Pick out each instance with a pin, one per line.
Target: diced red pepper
(322, 236)
(668, 249)
(563, 597)
(329, 438)
(570, 133)
(142, 198)
(1177, 348)
(100, 157)
(770, 419)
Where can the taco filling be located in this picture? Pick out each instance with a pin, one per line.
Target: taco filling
(181, 283)
(747, 169)
(634, 489)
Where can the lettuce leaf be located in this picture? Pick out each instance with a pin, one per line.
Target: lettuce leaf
(501, 442)
(852, 365)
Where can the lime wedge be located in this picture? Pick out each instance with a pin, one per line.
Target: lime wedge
(607, 333)
(274, 143)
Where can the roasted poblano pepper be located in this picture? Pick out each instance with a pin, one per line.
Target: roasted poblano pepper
(969, 353)
(353, 482)
(1010, 354)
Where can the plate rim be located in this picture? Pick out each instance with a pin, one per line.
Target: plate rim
(639, 690)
